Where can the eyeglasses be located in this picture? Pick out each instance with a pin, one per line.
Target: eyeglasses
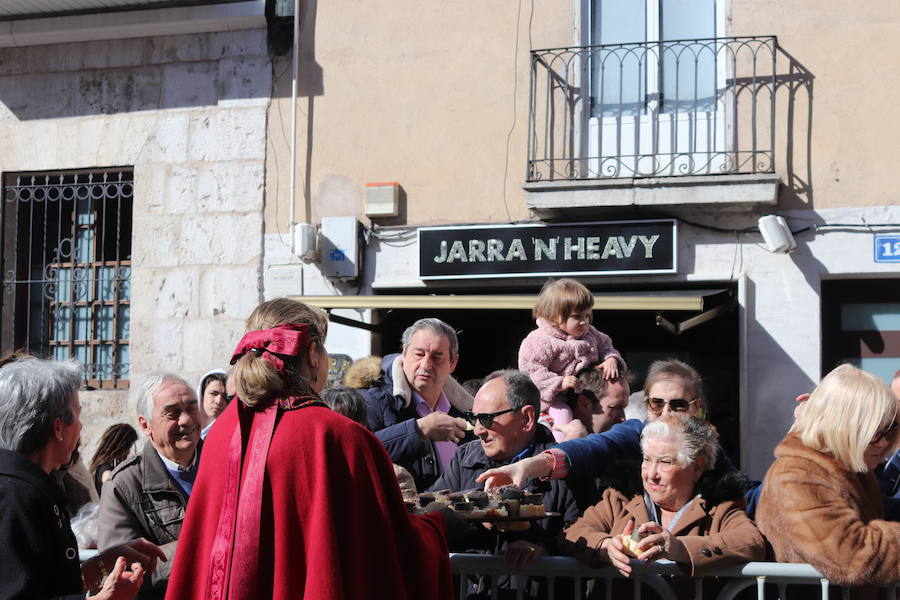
(656, 405)
(486, 419)
(885, 434)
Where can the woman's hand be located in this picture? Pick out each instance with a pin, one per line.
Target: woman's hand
(660, 543)
(121, 584)
(516, 474)
(615, 551)
(520, 554)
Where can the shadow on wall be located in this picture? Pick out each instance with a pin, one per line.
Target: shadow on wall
(310, 83)
(134, 75)
(769, 411)
(797, 86)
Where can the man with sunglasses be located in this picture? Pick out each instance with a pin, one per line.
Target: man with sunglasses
(504, 414)
(417, 408)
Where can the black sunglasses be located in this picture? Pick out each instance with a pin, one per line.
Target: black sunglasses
(486, 419)
(657, 405)
(885, 434)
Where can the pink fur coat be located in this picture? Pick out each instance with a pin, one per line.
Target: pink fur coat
(547, 354)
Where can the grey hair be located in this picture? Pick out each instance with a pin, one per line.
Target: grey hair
(143, 393)
(33, 394)
(697, 437)
(520, 390)
(435, 325)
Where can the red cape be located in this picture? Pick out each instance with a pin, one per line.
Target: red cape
(333, 524)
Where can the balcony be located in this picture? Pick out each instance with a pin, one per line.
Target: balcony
(686, 122)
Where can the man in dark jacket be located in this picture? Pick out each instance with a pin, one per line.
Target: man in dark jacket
(505, 414)
(417, 409)
(148, 493)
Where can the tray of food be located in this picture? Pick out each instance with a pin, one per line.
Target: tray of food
(508, 503)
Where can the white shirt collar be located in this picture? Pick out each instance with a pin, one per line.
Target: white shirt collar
(174, 466)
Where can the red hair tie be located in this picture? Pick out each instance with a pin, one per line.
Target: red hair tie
(288, 339)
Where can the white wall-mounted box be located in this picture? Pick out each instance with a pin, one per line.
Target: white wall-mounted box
(382, 199)
(339, 247)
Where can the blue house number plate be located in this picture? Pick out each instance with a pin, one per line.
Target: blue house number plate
(887, 248)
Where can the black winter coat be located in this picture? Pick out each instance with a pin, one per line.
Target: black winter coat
(38, 551)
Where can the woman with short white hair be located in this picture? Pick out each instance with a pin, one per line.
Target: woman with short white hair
(39, 428)
(820, 501)
(674, 508)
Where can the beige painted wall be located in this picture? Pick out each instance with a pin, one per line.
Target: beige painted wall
(418, 93)
(426, 96)
(851, 49)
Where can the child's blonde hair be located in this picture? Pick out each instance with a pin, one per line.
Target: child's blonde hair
(561, 297)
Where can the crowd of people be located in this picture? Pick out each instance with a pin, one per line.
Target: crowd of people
(264, 481)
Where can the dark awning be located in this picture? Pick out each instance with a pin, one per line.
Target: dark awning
(709, 303)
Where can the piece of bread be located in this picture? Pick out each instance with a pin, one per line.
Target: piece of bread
(630, 546)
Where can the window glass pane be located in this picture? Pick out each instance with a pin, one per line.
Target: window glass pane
(82, 284)
(84, 245)
(103, 355)
(106, 284)
(63, 284)
(870, 317)
(82, 323)
(123, 362)
(881, 367)
(81, 355)
(60, 353)
(62, 320)
(104, 322)
(688, 69)
(123, 324)
(124, 283)
(619, 73)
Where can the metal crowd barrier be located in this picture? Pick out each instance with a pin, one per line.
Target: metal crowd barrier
(653, 576)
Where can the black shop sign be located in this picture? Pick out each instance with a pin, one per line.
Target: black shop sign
(602, 248)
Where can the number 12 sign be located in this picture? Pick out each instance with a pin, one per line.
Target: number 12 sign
(887, 248)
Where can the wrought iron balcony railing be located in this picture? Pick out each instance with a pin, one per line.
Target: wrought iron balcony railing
(653, 109)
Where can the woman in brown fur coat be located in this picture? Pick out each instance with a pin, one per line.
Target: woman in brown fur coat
(820, 502)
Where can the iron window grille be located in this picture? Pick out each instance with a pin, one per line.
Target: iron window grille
(66, 260)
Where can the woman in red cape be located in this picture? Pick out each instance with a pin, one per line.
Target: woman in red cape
(295, 501)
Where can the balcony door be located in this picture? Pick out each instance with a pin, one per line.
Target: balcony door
(654, 109)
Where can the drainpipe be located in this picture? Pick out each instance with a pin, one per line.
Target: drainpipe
(295, 62)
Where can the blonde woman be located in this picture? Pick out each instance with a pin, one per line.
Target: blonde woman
(820, 502)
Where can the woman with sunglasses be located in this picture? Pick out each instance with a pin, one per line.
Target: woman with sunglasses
(820, 501)
(671, 386)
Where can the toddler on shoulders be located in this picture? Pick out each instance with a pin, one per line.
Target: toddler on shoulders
(564, 343)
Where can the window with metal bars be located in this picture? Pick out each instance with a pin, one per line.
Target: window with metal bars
(66, 259)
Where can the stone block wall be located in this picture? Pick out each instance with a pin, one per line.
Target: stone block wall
(188, 112)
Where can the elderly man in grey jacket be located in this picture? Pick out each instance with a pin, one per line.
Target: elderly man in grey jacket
(147, 494)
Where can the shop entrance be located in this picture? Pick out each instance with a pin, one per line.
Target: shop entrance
(489, 340)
